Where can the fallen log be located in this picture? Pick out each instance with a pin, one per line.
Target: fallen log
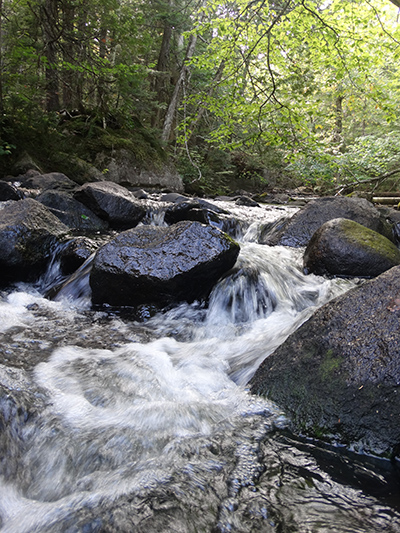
(386, 200)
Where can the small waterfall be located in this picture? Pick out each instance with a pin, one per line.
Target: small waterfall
(114, 425)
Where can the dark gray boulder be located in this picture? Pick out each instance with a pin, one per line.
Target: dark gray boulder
(43, 182)
(111, 202)
(160, 265)
(9, 192)
(72, 213)
(75, 253)
(342, 247)
(191, 209)
(298, 230)
(28, 234)
(338, 375)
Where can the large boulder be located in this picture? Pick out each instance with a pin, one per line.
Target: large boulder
(72, 213)
(160, 265)
(298, 230)
(28, 234)
(111, 202)
(342, 247)
(338, 375)
(42, 182)
(123, 167)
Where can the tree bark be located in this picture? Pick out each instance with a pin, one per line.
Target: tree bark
(68, 53)
(169, 118)
(1, 59)
(337, 136)
(49, 23)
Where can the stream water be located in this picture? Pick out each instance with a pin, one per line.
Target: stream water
(114, 424)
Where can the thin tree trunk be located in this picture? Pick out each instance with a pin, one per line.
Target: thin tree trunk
(337, 136)
(169, 117)
(1, 59)
(201, 109)
(79, 82)
(68, 53)
(49, 21)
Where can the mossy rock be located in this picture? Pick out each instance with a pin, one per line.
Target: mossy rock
(337, 377)
(342, 247)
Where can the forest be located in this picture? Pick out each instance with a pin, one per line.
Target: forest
(261, 93)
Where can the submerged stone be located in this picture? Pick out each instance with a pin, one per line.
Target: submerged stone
(161, 264)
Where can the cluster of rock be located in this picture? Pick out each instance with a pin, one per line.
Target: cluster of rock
(338, 375)
(343, 237)
(142, 264)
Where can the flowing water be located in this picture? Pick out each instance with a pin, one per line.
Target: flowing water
(114, 424)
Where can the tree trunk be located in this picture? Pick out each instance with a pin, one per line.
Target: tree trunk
(49, 23)
(337, 135)
(169, 118)
(68, 53)
(201, 108)
(1, 59)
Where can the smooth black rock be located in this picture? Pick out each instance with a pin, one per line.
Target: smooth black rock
(190, 210)
(28, 234)
(72, 213)
(298, 230)
(342, 247)
(338, 375)
(245, 200)
(161, 264)
(111, 202)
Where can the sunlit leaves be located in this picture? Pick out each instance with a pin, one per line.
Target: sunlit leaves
(284, 69)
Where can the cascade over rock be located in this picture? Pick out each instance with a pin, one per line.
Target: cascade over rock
(161, 265)
(28, 232)
(338, 375)
(111, 202)
(298, 230)
(342, 247)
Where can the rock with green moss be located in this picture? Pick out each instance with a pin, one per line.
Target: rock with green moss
(298, 230)
(342, 247)
(338, 375)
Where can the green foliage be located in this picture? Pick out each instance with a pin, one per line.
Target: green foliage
(367, 157)
(309, 89)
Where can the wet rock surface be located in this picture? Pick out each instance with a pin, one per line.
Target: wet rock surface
(342, 247)
(338, 375)
(161, 265)
(298, 230)
(28, 234)
(111, 202)
(72, 213)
